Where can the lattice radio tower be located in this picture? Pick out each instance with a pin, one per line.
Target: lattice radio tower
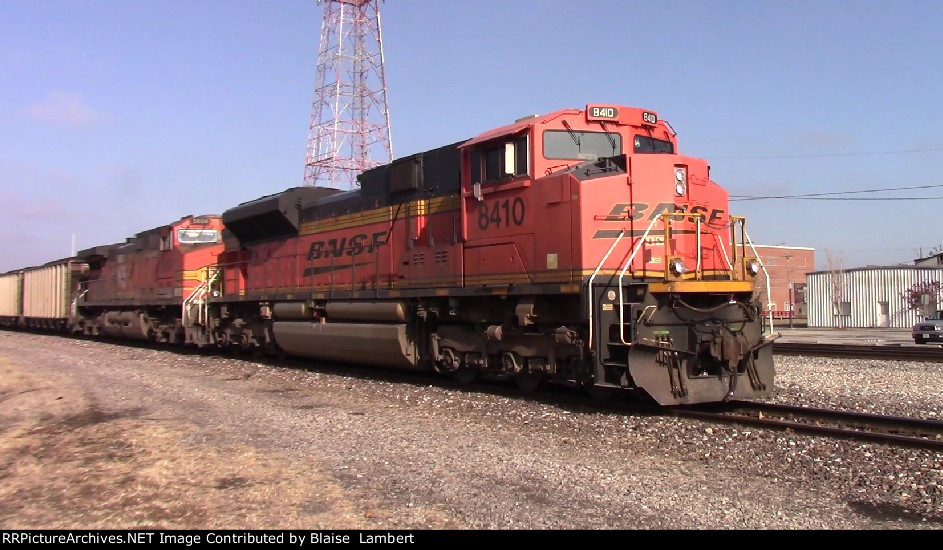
(350, 116)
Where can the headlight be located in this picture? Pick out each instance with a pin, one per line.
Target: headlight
(676, 267)
(753, 267)
(681, 180)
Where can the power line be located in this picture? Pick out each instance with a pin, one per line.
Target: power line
(815, 155)
(869, 198)
(829, 195)
(842, 198)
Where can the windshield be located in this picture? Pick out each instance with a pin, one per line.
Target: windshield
(937, 316)
(571, 144)
(197, 236)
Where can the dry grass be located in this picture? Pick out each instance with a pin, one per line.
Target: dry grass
(64, 463)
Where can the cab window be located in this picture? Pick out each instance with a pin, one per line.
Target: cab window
(646, 144)
(500, 160)
(197, 236)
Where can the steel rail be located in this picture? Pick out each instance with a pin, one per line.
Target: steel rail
(908, 353)
(893, 430)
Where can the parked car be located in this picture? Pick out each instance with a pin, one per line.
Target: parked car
(930, 329)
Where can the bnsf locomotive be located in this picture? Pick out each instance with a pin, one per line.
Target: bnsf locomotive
(576, 246)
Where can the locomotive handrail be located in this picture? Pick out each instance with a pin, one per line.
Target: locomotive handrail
(590, 285)
(697, 246)
(635, 250)
(726, 258)
(185, 306)
(212, 275)
(743, 228)
(75, 303)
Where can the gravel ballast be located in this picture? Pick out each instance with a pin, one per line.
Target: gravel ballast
(414, 452)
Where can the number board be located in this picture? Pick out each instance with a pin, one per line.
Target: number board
(601, 112)
(649, 118)
(201, 220)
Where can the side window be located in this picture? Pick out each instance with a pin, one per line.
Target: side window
(166, 242)
(645, 144)
(493, 165)
(500, 160)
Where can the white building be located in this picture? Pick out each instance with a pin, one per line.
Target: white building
(873, 296)
(933, 259)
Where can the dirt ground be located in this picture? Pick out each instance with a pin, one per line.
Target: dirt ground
(67, 464)
(100, 435)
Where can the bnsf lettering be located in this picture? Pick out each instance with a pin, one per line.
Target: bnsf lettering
(623, 211)
(698, 210)
(346, 246)
(663, 207)
(640, 211)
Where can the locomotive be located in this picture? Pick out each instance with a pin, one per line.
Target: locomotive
(577, 247)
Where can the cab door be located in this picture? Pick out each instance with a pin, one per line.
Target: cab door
(498, 222)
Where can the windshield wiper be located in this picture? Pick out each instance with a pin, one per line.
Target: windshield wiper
(612, 141)
(573, 136)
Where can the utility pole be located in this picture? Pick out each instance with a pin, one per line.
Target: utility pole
(792, 303)
(349, 130)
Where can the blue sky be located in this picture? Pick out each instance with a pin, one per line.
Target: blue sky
(118, 116)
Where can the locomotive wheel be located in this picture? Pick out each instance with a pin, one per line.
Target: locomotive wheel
(529, 381)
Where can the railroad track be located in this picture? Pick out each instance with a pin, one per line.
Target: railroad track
(908, 353)
(892, 430)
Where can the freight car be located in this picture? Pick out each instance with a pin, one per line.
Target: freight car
(578, 247)
(41, 297)
(11, 298)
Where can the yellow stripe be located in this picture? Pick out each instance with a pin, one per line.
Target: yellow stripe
(369, 217)
(419, 207)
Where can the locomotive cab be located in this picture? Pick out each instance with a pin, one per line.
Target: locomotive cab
(600, 200)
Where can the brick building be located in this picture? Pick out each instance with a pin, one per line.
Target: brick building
(787, 266)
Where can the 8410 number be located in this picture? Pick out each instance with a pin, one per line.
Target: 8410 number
(500, 213)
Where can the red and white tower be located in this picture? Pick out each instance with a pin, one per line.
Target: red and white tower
(350, 116)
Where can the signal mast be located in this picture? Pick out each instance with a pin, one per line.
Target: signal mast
(350, 116)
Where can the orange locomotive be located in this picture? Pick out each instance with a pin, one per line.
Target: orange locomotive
(577, 246)
(150, 287)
